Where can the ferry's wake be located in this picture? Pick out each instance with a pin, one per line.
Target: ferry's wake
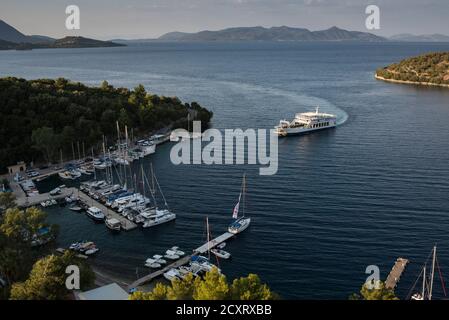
(304, 102)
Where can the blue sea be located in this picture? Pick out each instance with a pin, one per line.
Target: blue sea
(370, 191)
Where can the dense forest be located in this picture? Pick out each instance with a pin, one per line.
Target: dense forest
(41, 117)
(431, 68)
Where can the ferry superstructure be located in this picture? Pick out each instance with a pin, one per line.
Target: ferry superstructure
(306, 122)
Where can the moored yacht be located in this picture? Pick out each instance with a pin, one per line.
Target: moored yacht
(113, 224)
(240, 224)
(306, 122)
(95, 213)
(161, 216)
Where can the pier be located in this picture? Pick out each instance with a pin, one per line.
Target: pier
(182, 261)
(23, 201)
(213, 243)
(126, 224)
(396, 273)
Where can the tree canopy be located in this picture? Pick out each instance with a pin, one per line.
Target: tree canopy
(17, 256)
(213, 286)
(40, 117)
(47, 280)
(374, 291)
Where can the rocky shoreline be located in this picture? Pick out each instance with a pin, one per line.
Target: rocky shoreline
(411, 82)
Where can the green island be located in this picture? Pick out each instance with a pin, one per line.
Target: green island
(42, 117)
(429, 69)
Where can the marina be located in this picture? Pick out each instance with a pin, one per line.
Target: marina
(332, 187)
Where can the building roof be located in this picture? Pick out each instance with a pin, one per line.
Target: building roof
(108, 292)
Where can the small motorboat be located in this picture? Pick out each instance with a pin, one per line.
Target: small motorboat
(221, 253)
(152, 263)
(172, 274)
(221, 245)
(75, 208)
(55, 191)
(91, 251)
(177, 251)
(171, 255)
(113, 224)
(86, 246)
(159, 259)
(75, 246)
(95, 213)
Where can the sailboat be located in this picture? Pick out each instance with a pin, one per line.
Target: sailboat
(427, 280)
(161, 215)
(240, 224)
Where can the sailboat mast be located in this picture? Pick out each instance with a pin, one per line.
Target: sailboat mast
(433, 271)
(95, 170)
(143, 182)
(243, 193)
(424, 283)
(208, 237)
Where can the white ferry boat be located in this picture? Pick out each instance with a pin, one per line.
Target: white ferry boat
(306, 122)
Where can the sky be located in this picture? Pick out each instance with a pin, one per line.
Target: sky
(131, 19)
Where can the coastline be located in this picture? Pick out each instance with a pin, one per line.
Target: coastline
(411, 82)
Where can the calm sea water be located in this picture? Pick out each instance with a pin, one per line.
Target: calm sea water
(372, 190)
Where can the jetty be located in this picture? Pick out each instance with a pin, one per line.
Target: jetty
(182, 261)
(24, 201)
(126, 224)
(396, 273)
(213, 243)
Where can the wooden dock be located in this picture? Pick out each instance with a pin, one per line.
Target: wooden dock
(184, 260)
(395, 273)
(151, 276)
(213, 243)
(126, 224)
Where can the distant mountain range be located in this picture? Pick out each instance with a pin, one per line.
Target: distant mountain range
(272, 34)
(11, 38)
(420, 38)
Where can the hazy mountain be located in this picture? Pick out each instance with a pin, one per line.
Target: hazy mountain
(11, 38)
(9, 33)
(420, 38)
(272, 34)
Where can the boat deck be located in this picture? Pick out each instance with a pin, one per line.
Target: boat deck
(395, 273)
